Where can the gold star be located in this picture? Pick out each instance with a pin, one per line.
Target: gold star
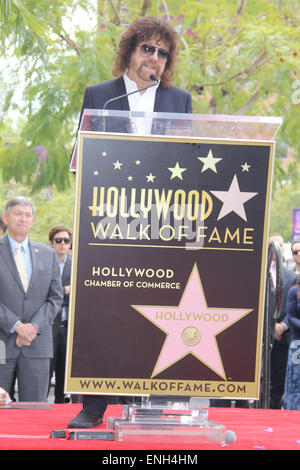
(209, 162)
(150, 178)
(130, 178)
(117, 165)
(137, 162)
(176, 171)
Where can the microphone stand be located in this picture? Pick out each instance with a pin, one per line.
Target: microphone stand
(152, 77)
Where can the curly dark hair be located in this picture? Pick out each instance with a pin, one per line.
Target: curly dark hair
(141, 30)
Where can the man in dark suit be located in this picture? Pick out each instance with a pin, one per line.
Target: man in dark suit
(30, 297)
(148, 47)
(60, 239)
(2, 228)
(280, 347)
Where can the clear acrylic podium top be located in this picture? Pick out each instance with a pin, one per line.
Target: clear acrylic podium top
(209, 126)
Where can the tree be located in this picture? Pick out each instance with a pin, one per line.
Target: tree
(14, 16)
(52, 207)
(237, 57)
(287, 198)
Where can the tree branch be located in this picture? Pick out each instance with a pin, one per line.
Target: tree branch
(146, 5)
(70, 43)
(258, 62)
(249, 103)
(166, 10)
(235, 31)
(116, 19)
(241, 5)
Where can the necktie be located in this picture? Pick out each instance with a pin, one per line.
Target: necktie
(21, 267)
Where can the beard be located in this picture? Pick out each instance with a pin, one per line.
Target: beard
(143, 70)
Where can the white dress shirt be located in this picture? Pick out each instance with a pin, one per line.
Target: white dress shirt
(141, 102)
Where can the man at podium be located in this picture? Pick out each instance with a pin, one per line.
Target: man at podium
(144, 68)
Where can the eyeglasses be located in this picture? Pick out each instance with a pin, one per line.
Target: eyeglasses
(147, 50)
(60, 240)
(296, 252)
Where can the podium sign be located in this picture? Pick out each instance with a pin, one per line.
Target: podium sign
(169, 256)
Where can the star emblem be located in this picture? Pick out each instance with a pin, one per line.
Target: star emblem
(117, 165)
(96, 172)
(104, 154)
(176, 171)
(137, 162)
(191, 327)
(209, 162)
(150, 178)
(233, 200)
(245, 167)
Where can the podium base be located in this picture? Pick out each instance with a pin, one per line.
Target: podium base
(157, 421)
(209, 432)
(174, 422)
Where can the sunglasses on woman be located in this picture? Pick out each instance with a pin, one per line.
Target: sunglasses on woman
(147, 50)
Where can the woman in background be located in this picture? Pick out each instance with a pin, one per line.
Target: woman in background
(292, 380)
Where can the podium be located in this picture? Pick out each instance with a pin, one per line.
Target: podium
(169, 255)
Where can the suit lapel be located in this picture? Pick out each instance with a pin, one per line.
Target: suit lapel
(123, 103)
(157, 102)
(34, 253)
(66, 271)
(6, 253)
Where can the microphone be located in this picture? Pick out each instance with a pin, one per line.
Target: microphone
(152, 77)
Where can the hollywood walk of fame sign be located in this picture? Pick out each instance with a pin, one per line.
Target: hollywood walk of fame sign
(169, 263)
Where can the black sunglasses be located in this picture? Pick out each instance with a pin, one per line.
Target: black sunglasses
(296, 252)
(59, 240)
(147, 50)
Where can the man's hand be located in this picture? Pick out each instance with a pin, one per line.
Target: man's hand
(67, 290)
(26, 333)
(278, 331)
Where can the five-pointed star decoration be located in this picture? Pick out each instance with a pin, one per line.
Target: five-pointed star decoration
(117, 165)
(177, 171)
(191, 327)
(150, 178)
(245, 167)
(209, 162)
(233, 200)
